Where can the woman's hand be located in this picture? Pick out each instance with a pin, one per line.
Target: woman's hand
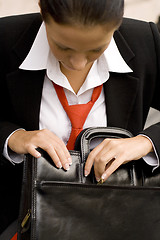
(23, 142)
(112, 153)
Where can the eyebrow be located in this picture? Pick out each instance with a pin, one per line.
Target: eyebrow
(62, 46)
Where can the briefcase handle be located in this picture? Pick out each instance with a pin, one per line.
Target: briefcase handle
(85, 138)
(143, 173)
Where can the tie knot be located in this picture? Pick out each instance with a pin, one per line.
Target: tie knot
(76, 113)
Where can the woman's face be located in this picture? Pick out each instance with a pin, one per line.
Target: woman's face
(77, 47)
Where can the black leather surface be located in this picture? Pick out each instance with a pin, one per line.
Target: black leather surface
(66, 205)
(69, 211)
(44, 169)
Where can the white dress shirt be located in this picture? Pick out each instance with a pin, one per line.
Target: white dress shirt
(52, 114)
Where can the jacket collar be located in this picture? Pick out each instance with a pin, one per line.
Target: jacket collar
(21, 49)
(123, 47)
(120, 96)
(121, 90)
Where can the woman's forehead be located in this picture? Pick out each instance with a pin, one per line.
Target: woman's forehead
(79, 36)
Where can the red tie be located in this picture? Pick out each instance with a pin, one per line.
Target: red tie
(14, 237)
(76, 113)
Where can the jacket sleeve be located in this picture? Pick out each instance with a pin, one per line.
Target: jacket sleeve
(11, 30)
(153, 132)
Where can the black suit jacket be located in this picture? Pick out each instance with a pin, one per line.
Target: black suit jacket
(128, 96)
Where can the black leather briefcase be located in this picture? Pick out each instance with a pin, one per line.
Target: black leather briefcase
(60, 205)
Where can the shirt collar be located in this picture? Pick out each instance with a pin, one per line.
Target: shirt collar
(40, 57)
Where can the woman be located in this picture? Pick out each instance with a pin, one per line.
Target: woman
(80, 46)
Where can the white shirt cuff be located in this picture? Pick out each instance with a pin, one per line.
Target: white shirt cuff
(10, 155)
(152, 158)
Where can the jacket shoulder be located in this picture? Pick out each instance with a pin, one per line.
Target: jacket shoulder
(137, 28)
(13, 27)
(139, 33)
(18, 22)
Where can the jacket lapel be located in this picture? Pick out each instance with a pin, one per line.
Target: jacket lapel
(120, 95)
(121, 90)
(24, 43)
(26, 90)
(26, 86)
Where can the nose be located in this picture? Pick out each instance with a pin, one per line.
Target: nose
(78, 62)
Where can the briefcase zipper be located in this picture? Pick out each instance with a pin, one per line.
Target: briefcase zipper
(26, 218)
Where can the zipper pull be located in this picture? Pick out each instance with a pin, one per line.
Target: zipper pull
(101, 181)
(25, 220)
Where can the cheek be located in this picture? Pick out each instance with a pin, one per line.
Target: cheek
(93, 57)
(56, 52)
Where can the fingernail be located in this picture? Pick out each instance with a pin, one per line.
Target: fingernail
(86, 173)
(66, 166)
(97, 179)
(70, 161)
(59, 165)
(38, 155)
(104, 175)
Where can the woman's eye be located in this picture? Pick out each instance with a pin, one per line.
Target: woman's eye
(97, 50)
(63, 48)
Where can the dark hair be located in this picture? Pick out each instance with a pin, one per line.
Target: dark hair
(85, 12)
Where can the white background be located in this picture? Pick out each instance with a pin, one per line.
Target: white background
(140, 9)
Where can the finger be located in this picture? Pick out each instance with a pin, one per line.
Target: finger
(57, 150)
(102, 160)
(65, 160)
(57, 155)
(62, 151)
(109, 164)
(52, 153)
(66, 153)
(91, 159)
(32, 150)
(63, 154)
(111, 168)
